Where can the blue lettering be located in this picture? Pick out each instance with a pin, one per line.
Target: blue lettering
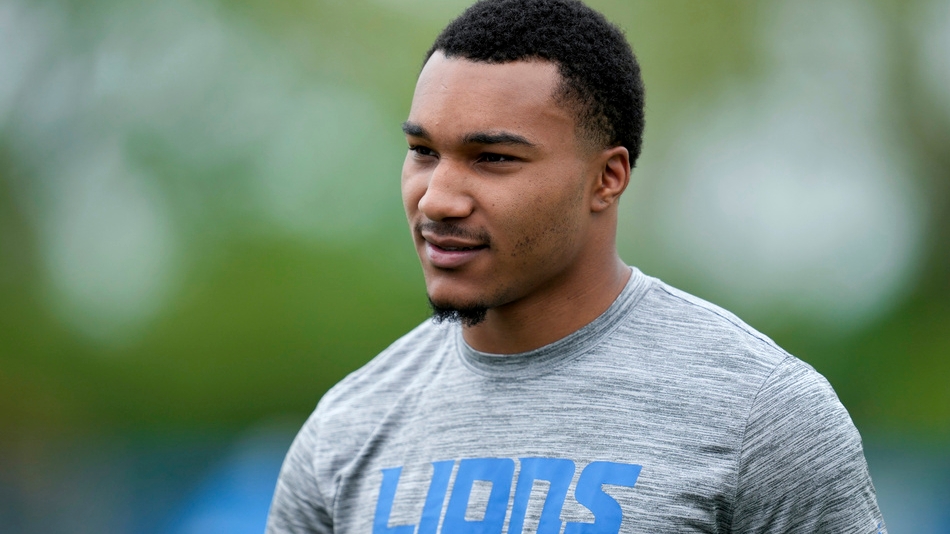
(441, 472)
(559, 473)
(384, 505)
(498, 471)
(589, 492)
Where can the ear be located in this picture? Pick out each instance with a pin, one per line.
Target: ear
(613, 177)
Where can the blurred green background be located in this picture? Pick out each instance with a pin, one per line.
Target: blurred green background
(201, 229)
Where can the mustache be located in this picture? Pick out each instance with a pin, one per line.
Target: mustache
(445, 229)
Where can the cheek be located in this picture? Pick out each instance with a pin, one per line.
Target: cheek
(548, 224)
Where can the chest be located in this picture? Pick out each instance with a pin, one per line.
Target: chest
(544, 458)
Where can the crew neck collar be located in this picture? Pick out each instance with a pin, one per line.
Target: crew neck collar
(554, 354)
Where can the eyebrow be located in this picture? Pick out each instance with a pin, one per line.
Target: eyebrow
(496, 138)
(415, 130)
(474, 138)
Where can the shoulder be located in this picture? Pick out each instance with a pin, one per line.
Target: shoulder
(693, 338)
(782, 392)
(797, 422)
(682, 314)
(343, 421)
(355, 405)
(391, 371)
(352, 409)
(783, 385)
(722, 363)
(800, 464)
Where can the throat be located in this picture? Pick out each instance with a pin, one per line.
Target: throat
(532, 323)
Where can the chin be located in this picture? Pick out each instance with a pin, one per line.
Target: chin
(444, 289)
(452, 301)
(468, 314)
(441, 301)
(452, 290)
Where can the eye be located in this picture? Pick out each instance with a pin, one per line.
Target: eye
(422, 151)
(491, 157)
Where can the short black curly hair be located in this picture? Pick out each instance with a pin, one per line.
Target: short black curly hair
(600, 74)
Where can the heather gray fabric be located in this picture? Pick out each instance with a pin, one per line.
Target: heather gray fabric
(665, 414)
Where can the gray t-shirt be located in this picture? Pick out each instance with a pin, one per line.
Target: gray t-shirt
(665, 414)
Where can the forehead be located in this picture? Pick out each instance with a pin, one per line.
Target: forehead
(458, 96)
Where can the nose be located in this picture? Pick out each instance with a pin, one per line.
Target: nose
(447, 195)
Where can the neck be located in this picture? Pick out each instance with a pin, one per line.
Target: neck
(551, 313)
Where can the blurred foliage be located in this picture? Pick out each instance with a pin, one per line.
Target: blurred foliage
(262, 321)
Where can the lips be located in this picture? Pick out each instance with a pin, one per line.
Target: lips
(450, 252)
(457, 249)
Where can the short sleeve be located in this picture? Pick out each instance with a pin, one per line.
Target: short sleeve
(298, 505)
(802, 467)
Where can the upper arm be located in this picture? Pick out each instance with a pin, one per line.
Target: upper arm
(802, 466)
(298, 505)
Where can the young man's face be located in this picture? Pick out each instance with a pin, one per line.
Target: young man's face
(496, 185)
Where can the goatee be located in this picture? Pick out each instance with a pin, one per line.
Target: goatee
(468, 316)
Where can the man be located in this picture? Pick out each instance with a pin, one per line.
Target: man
(558, 390)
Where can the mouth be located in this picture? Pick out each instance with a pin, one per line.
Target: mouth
(456, 249)
(448, 246)
(446, 254)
